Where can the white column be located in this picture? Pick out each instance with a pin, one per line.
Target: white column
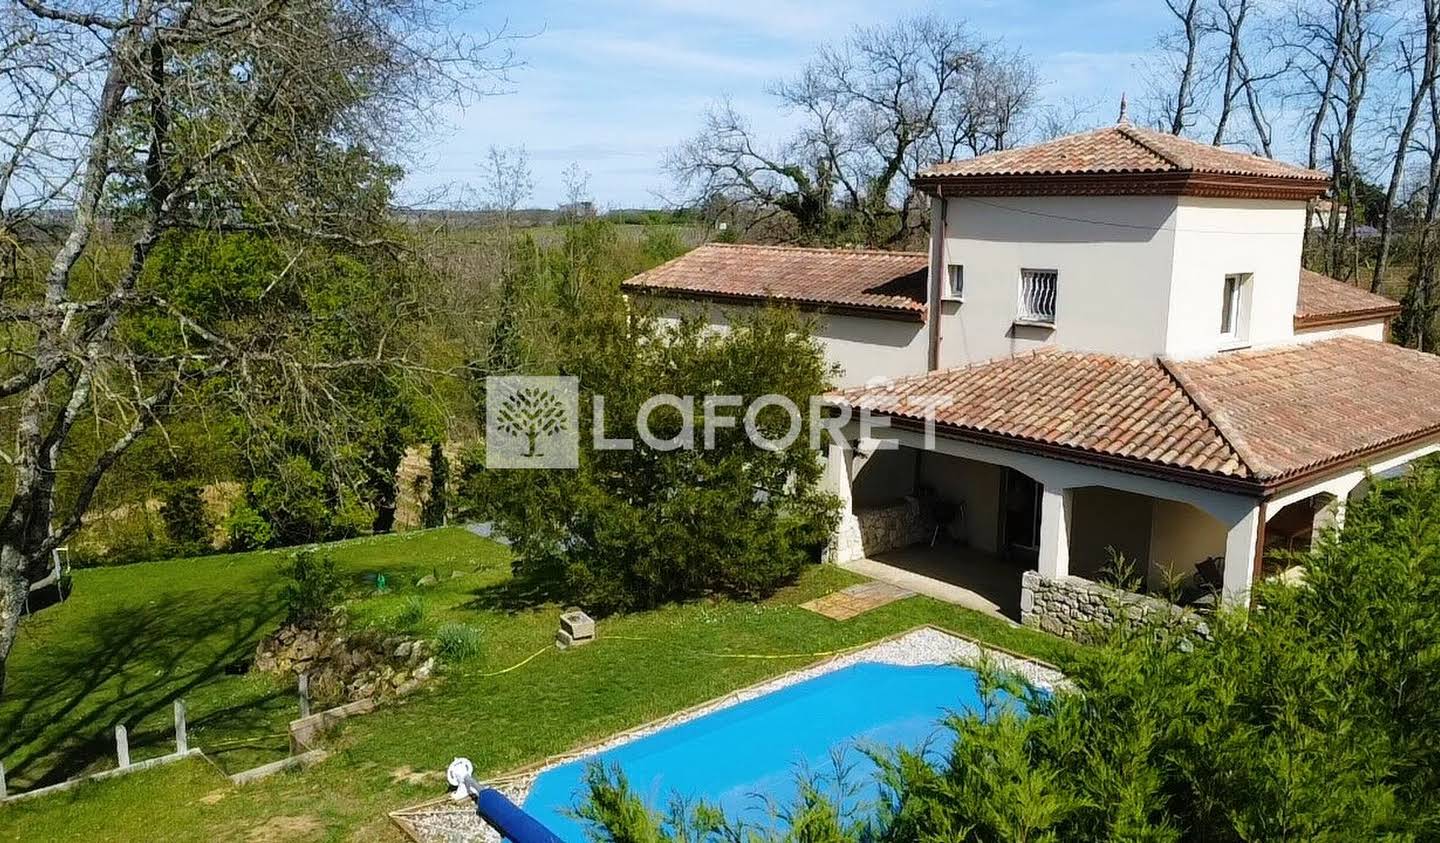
(845, 543)
(1054, 532)
(1241, 542)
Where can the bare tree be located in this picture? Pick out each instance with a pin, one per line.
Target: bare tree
(1420, 67)
(507, 182)
(1231, 25)
(872, 109)
(1176, 95)
(162, 117)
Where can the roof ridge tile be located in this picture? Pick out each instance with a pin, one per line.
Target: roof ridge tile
(1131, 134)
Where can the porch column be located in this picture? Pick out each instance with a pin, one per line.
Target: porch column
(845, 544)
(1242, 547)
(1054, 532)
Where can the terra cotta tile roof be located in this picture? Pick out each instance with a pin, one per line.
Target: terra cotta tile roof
(1292, 408)
(1325, 301)
(887, 282)
(1121, 148)
(1097, 403)
(1260, 416)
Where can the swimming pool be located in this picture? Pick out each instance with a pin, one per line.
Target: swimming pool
(757, 746)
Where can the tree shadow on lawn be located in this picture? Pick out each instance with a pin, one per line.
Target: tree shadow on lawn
(516, 594)
(124, 665)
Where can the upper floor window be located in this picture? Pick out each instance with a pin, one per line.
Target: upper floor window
(955, 281)
(1037, 295)
(1234, 302)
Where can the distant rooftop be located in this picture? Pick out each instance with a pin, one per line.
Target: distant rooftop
(889, 284)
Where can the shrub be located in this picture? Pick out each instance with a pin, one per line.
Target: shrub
(630, 529)
(312, 587)
(411, 613)
(246, 529)
(187, 522)
(458, 641)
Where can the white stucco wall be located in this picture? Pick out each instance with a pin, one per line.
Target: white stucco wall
(1365, 330)
(1102, 519)
(1181, 536)
(1216, 237)
(976, 487)
(1138, 275)
(883, 477)
(1113, 255)
(866, 349)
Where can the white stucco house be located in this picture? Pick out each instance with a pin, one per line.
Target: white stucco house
(1117, 351)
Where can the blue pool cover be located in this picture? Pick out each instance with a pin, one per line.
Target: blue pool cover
(728, 756)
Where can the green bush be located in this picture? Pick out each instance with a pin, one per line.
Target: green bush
(411, 613)
(631, 529)
(1311, 717)
(246, 529)
(187, 522)
(458, 641)
(294, 503)
(312, 587)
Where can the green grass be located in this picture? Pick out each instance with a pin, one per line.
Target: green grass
(134, 638)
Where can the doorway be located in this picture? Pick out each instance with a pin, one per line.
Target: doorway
(1020, 517)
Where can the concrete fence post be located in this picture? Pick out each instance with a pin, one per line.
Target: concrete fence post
(182, 738)
(3, 791)
(122, 745)
(304, 695)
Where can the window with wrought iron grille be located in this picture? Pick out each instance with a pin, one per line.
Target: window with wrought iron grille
(1037, 295)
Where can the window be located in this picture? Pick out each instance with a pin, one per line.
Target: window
(1232, 307)
(955, 281)
(1037, 295)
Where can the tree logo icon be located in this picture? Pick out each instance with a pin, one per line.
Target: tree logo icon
(530, 422)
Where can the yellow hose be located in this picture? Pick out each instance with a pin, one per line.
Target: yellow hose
(537, 654)
(548, 647)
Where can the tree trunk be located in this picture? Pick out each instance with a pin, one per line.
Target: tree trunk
(1422, 85)
(1327, 92)
(1234, 23)
(1189, 23)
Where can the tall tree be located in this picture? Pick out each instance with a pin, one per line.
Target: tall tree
(1231, 24)
(873, 108)
(184, 116)
(1420, 66)
(1178, 96)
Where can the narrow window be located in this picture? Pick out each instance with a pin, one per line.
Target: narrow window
(955, 281)
(1037, 295)
(1232, 304)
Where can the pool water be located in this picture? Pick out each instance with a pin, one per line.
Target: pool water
(756, 747)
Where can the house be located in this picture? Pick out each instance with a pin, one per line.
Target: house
(1110, 351)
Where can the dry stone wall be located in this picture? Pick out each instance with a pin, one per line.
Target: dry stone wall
(1072, 607)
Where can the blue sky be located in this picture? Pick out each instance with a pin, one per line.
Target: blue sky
(611, 84)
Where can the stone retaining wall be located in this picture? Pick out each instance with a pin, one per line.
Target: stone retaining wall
(876, 529)
(1070, 607)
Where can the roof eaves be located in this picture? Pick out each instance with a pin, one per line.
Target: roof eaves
(880, 310)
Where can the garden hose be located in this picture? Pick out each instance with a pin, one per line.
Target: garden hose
(530, 658)
(548, 647)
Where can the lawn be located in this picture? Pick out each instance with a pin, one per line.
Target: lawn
(132, 639)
